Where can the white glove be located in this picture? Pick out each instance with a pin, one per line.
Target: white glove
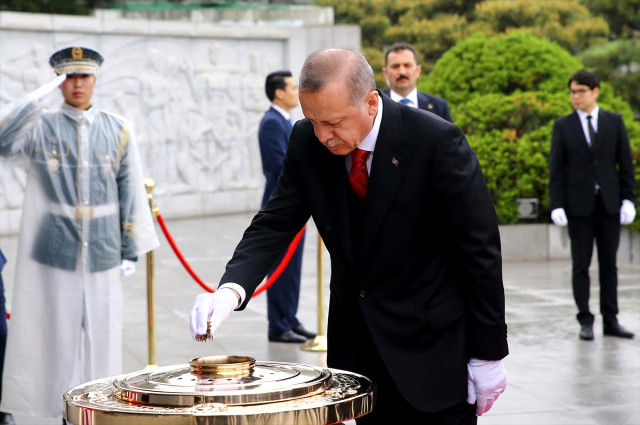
(127, 268)
(486, 380)
(627, 212)
(43, 91)
(559, 217)
(211, 307)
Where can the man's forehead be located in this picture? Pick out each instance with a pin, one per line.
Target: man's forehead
(401, 55)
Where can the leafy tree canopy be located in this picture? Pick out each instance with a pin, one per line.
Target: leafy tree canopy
(567, 22)
(623, 16)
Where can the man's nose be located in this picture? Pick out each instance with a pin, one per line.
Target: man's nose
(323, 133)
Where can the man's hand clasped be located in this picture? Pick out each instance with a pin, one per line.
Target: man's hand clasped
(486, 380)
(209, 311)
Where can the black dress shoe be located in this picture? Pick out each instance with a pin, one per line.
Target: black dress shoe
(617, 330)
(7, 419)
(288, 336)
(586, 332)
(300, 330)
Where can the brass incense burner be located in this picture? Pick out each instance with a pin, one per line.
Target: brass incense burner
(232, 390)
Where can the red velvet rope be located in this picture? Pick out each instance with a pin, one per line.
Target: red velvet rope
(272, 278)
(270, 281)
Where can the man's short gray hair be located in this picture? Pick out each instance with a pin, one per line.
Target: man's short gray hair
(325, 66)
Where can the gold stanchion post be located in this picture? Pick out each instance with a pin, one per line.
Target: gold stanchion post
(151, 335)
(319, 343)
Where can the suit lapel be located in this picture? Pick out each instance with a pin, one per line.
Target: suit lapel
(391, 159)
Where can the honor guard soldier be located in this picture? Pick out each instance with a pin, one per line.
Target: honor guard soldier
(85, 221)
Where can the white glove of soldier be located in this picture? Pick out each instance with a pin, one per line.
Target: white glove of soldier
(627, 212)
(44, 90)
(559, 217)
(212, 307)
(486, 380)
(127, 268)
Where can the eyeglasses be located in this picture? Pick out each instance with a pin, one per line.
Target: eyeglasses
(579, 92)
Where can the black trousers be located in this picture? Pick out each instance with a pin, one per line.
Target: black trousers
(605, 229)
(391, 408)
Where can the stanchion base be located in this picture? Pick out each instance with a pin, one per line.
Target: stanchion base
(319, 343)
(150, 366)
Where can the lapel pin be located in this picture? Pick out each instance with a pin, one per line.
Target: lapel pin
(394, 161)
(430, 106)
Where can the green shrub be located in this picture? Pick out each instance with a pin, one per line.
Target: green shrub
(505, 93)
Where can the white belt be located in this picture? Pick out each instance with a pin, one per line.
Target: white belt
(84, 212)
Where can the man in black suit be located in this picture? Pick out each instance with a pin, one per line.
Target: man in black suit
(417, 300)
(401, 70)
(592, 189)
(273, 136)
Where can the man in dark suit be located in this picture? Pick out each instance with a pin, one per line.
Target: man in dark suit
(592, 189)
(401, 70)
(273, 135)
(417, 300)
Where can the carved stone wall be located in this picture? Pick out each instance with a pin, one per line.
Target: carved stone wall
(193, 90)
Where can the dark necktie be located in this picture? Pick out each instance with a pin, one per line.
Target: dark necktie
(592, 132)
(404, 101)
(359, 176)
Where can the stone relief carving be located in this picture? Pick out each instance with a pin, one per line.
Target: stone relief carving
(195, 105)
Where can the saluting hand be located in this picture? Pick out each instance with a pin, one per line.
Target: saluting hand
(44, 90)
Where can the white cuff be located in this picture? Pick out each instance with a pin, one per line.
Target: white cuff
(239, 289)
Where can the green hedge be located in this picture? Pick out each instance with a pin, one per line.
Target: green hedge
(505, 93)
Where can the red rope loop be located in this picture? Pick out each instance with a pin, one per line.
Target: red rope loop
(270, 281)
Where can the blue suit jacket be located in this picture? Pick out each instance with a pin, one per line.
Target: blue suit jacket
(435, 104)
(273, 136)
(431, 103)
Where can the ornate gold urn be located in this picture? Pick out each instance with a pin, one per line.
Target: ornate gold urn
(230, 390)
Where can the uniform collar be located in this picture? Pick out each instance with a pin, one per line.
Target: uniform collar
(78, 115)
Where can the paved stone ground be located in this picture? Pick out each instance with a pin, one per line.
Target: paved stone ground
(554, 378)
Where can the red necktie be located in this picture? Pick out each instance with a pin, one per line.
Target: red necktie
(359, 176)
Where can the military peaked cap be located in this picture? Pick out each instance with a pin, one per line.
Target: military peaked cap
(76, 60)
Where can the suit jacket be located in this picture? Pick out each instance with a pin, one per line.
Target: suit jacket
(431, 103)
(575, 167)
(428, 280)
(273, 136)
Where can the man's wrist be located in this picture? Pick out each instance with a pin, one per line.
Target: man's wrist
(237, 289)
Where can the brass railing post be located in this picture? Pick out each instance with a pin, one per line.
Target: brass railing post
(319, 343)
(151, 335)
